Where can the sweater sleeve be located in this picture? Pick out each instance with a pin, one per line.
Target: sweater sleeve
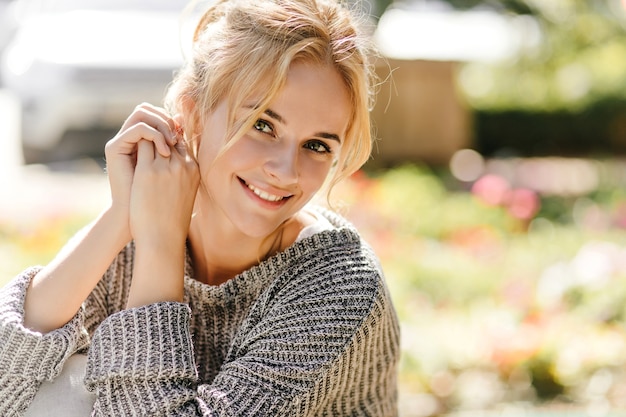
(142, 360)
(314, 344)
(28, 358)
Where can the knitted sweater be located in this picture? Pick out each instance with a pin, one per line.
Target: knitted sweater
(309, 332)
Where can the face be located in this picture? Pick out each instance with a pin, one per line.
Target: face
(271, 172)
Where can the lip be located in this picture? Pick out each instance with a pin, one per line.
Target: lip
(262, 202)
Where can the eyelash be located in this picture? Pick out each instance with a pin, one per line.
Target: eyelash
(326, 150)
(312, 145)
(266, 123)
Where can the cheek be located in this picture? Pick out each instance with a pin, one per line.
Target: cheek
(209, 163)
(216, 160)
(209, 146)
(313, 173)
(248, 148)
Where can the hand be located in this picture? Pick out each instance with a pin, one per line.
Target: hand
(162, 194)
(161, 203)
(147, 123)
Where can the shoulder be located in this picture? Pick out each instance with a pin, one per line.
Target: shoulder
(330, 286)
(334, 265)
(340, 245)
(337, 243)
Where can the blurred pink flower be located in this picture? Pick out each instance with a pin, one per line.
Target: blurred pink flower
(620, 215)
(492, 189)
(523, 203)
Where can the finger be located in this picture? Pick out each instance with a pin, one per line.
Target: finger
(182, 156)
(155, 117)
(142, 131)
(181, 148)
(172, 128)
(145, 153)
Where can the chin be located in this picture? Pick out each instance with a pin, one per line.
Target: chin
(256, 227)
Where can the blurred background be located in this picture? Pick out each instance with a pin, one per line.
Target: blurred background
(495, 197)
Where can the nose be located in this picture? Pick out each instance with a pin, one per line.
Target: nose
(282, 165)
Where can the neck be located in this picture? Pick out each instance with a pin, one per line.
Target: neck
(220, 251)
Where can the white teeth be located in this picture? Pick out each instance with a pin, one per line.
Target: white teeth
(264, 195)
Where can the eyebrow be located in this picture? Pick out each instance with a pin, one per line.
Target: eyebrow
(331, 136)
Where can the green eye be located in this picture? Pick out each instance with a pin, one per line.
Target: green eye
(263, 126)
(317, 147)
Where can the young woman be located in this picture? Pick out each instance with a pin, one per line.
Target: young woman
(212, 285)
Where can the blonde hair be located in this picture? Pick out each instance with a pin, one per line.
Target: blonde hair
(244, 47)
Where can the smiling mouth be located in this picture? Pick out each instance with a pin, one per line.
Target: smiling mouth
(264, 195)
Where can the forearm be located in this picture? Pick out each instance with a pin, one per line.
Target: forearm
(158, 272)
(58, 290)
(28, 358)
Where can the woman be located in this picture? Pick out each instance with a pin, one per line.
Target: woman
(210, 285)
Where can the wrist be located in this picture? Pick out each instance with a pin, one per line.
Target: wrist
(160, 247)
(116, 221)
(155, 236)
(158, 273)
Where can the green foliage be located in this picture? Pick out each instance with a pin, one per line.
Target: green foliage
(580, 60)
(543, 379)
(34, 243)
(419, 204)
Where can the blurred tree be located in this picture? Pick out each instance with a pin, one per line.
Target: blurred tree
(374, 8)
(382, 5)
(515, 6)
(563, 91)
(579, 60)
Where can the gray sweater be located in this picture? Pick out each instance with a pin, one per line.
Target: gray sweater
(309, 332)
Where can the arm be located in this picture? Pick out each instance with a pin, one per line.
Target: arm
(42, 322)
(309, 343)
(162, 197)
(27, 358)
(57, 292)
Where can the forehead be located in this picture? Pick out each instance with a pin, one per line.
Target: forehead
(316, 94)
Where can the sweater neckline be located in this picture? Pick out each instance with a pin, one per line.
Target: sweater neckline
(262, 274)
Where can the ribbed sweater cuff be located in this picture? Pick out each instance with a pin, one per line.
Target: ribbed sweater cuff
(28, 354)
(149, 343)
